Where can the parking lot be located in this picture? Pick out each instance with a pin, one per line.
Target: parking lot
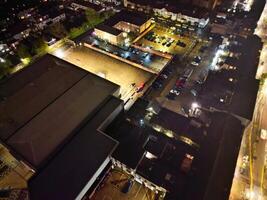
(161, 39)
(148, 60)
(109, 68)
(112, 188)
(179, 88)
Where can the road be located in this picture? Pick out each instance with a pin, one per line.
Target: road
(250, 181)
(184, 100)
(144, 58)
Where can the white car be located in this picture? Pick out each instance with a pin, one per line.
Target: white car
(194, 63)
(164, 76)
(175, 92)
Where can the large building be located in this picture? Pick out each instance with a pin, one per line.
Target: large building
(177, 155)
(110, 34)
(115, 29)
(52, 117)
(209, 4)
(180, 12)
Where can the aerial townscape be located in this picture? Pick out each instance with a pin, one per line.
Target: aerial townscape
(133, 100)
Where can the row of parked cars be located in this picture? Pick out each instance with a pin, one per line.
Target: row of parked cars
(158, 83)
(179, 85)
(163, 40)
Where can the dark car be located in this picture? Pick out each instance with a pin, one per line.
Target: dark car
(167, 71)
(180, 82)
(157, 85)
(171, 96)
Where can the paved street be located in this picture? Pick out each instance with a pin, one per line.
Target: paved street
(251, 178)
(148, 60)
(185, 99)
(250, 181)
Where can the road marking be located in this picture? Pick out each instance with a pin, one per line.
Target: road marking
(250, 161)
(262, 179)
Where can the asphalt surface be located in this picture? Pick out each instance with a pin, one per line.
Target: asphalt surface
(144, 58)
(185, 98)
(250, 175)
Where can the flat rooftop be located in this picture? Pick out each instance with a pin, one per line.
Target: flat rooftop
(74, 166)
(37, 100)
(88, 5)
(112, 69)
(176, 7)
(239, 94)
(108, 29)
(131, 17)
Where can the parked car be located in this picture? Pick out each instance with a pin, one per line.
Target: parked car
(175, 91)
(171, 96)
(140, 87)
(157, 85)
(164, 76)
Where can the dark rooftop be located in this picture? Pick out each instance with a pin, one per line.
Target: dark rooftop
(108, 29)
(88, 5)
(132, 17)
(39, 98)
(239, 94)
(176, 7)
(17, 28)
(70, 170)
(166, 168)
(219, 149)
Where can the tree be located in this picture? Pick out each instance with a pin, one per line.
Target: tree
(23, 51)
(4, 68)
(39, 46)
(107, 14)
(58, 30)
(74, 32)
(93, 18)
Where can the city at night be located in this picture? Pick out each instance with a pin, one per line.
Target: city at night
(133, 100)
